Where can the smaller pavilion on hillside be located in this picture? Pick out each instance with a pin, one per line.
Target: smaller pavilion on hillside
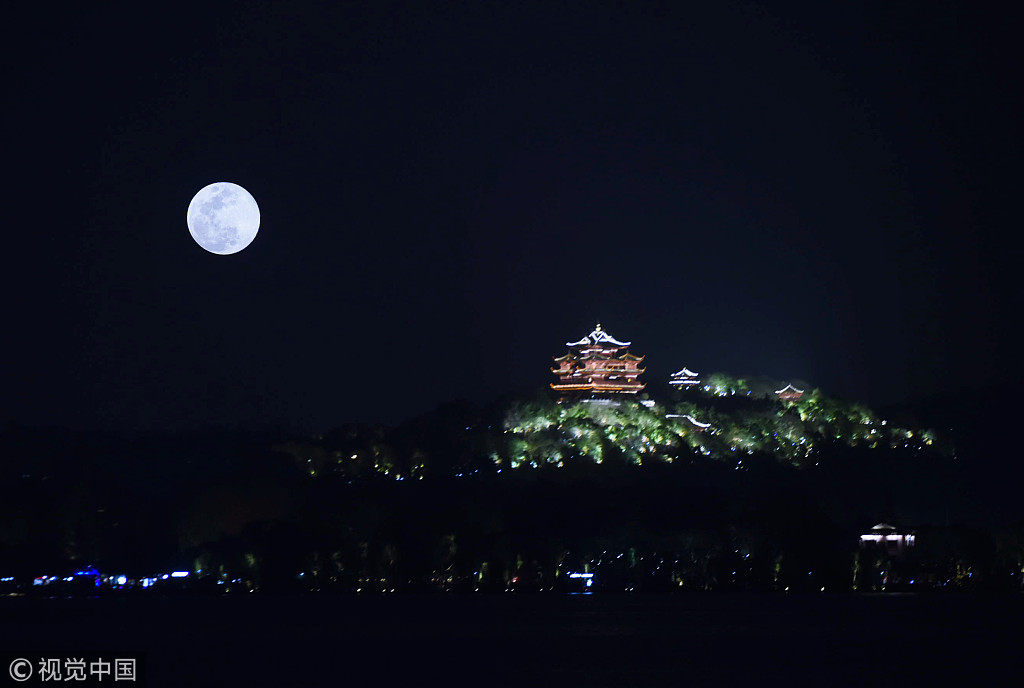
(789, 393)
(684, 378)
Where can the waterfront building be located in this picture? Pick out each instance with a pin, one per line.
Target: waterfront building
(887, 537)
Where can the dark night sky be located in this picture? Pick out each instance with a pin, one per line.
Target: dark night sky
(449, 192)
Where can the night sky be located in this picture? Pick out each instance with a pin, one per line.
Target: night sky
(450, 192)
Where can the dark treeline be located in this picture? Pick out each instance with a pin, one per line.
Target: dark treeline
(283, 513)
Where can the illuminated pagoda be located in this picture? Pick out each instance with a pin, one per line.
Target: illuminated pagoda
(789, 393)
(598, 367)
(684, 378)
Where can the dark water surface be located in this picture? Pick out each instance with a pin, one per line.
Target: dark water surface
(539, 640)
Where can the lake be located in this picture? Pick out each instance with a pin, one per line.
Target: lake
(485, 640)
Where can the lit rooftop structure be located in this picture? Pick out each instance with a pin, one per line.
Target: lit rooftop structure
(886, 536)
(684, 378)
(701, 427)
(598, 366)
(789, 393)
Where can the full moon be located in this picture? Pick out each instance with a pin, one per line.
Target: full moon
(223, 218)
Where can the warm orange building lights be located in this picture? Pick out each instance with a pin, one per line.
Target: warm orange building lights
(598, 366)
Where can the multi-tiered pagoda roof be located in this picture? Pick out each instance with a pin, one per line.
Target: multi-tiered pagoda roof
(684, 378)
(598, 366)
